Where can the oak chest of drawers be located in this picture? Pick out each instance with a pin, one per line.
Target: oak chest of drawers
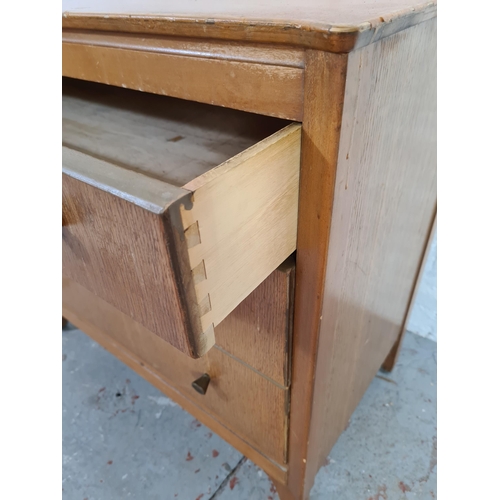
(246, 206)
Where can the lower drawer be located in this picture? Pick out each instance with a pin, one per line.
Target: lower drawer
(248, 403)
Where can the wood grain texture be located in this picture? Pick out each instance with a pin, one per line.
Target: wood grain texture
(258, 331)
(141, 190)
(246, 214)
(168, 139)
(324, 93)
(118, 251)
(384, 203)
(122, 229)
(233, 390)
(392, 358)
(260, 88)
(337, 26)
(205, 227)
(274, 55)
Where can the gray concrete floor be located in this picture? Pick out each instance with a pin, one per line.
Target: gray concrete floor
(123, 439)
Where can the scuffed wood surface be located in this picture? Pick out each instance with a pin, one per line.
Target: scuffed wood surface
(273, 55)
(168, 139)
(268, 89)
(383, 209)
(337, 25)
(141, 190)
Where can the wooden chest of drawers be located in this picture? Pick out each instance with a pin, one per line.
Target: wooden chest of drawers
(256, 264)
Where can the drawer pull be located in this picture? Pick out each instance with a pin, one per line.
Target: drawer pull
(201, 384)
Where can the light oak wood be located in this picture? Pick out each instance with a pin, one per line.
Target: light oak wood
(269, 89)
(392, 358)
(361, 78)
(324, 95)
(337, 26)
(233, 388)
(168, 139)
(251, 198)
(207, 224)
(384, 204)
(274, 55)
(258, 332)
(132, 186)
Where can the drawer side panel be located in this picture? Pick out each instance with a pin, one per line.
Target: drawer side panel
(246, 213)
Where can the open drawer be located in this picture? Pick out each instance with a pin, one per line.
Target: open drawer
(174, 211)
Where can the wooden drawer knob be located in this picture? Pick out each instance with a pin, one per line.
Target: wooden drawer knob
(201, 384)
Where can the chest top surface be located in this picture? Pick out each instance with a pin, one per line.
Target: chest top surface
(333, 25)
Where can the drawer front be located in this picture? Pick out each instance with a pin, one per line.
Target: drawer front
(249, 404)
(259, 331)
(120, 252)
(178, 260)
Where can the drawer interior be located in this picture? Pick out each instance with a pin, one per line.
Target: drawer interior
(162, 137)
(174, 211)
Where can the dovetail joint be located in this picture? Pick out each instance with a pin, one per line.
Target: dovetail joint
(205, 305)
(192, 235)
(199, 273)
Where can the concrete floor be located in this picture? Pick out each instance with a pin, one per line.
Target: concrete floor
(123, 439)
